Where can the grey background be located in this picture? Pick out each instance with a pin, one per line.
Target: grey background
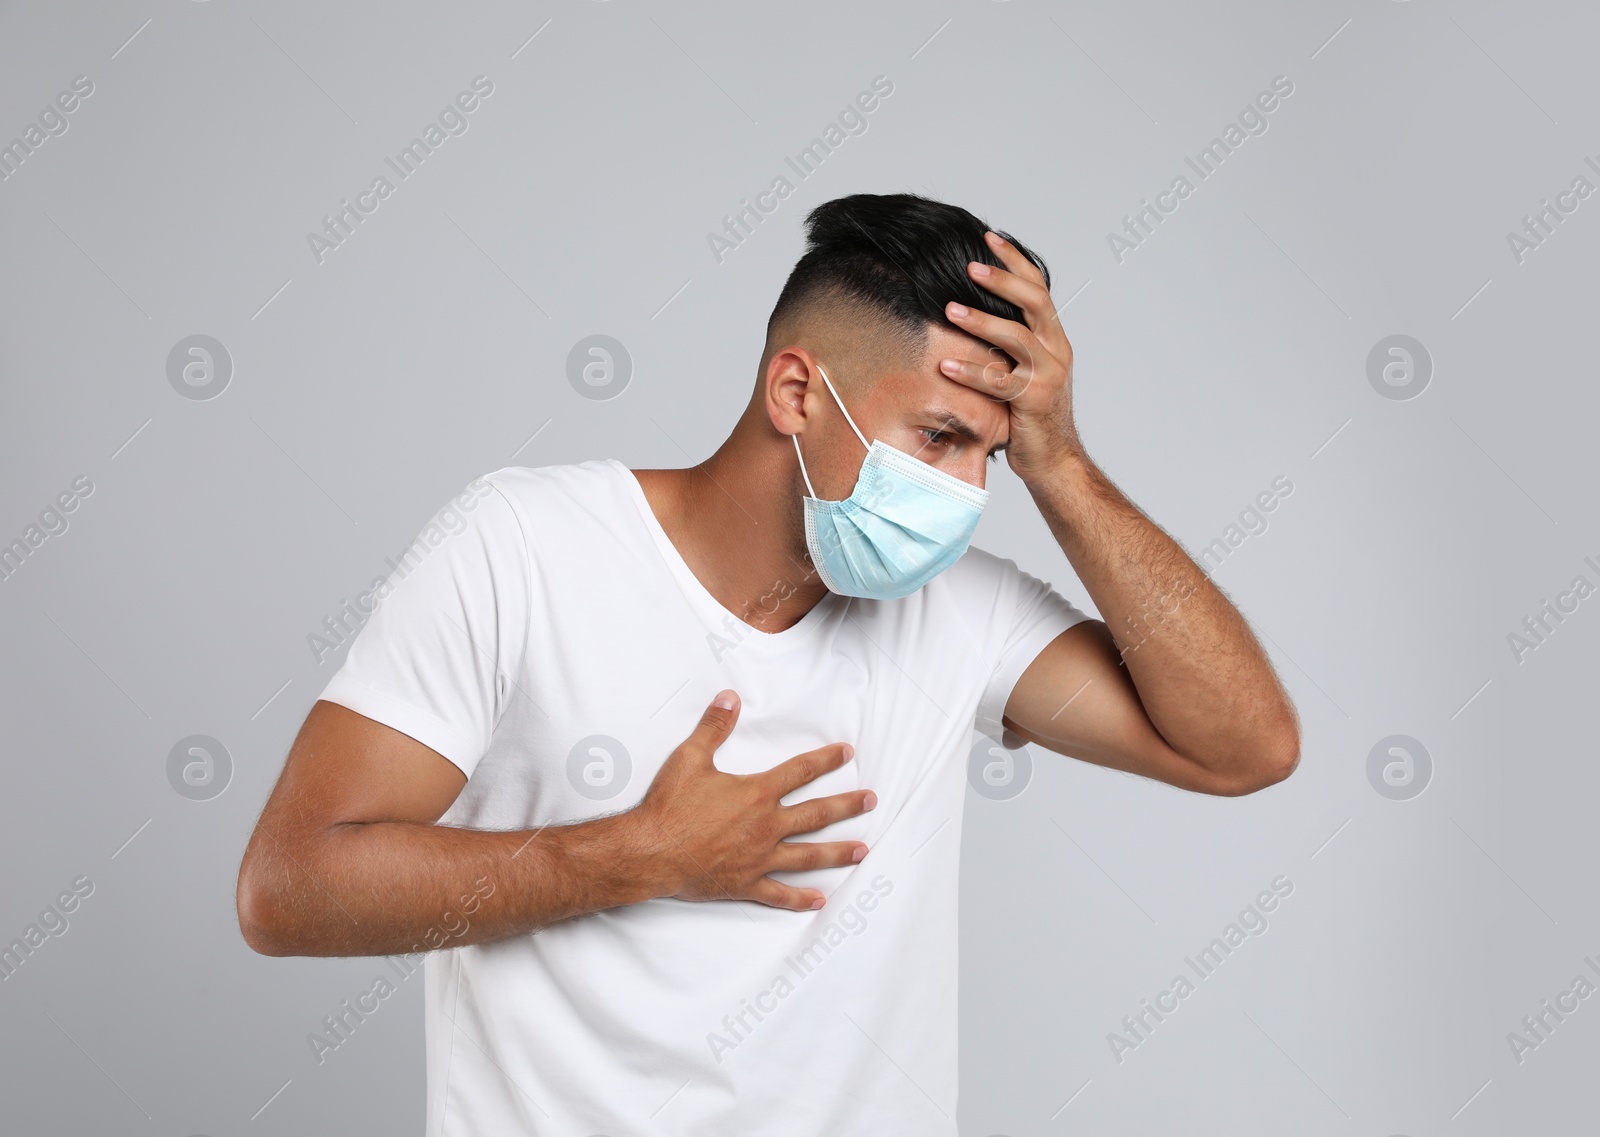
(1229, 349)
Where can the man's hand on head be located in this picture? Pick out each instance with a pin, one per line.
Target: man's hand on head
(1039, 388)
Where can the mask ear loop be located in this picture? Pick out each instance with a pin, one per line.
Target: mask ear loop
(796, 439)
(840, 401)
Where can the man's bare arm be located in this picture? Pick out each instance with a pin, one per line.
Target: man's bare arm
(347, 858)
(1199, 680)
(1195, 701)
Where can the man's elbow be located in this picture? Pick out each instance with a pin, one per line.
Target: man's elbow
(1272, 764)
(1282, 765)
(1277, 762)
(260, 921)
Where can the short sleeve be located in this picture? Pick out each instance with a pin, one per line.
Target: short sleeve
(1037, 615)
(443, 649)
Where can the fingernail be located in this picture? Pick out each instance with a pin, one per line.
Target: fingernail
(950, 366)
(849, 752)
(861, 851)
(870, 801)
(818, 903)
(980, 269)
(725, 700)
(957, 310)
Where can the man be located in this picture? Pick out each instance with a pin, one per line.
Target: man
(581, 735)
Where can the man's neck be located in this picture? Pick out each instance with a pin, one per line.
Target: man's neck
(730, 521)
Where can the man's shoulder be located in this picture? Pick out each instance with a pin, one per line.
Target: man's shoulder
(558, 509)
(519, 512)
(551, 495)
(534, 483)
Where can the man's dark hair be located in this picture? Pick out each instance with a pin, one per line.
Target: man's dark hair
(898, 259)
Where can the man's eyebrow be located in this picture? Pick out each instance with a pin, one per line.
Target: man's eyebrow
(959, 426)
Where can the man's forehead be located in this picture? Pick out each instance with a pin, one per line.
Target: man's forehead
(927, 393)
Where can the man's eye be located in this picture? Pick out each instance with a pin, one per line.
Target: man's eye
(936, 436)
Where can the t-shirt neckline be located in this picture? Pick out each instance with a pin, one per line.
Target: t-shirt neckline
(697, 593)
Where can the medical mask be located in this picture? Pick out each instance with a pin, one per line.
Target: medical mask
(903, 524)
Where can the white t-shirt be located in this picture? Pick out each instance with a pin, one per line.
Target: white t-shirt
(545, 636)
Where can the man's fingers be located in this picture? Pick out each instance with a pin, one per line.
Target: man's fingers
(768, 891)
(790, 775)
(715, 725)
(797, 856)
(809, 816)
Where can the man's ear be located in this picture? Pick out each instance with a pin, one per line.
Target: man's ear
(786, 384)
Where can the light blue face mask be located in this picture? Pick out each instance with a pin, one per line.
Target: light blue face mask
(903, 524)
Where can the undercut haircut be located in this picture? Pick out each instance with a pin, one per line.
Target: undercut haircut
(891, 262)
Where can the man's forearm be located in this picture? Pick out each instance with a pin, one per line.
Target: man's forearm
(1204, 681)
(389, 887)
